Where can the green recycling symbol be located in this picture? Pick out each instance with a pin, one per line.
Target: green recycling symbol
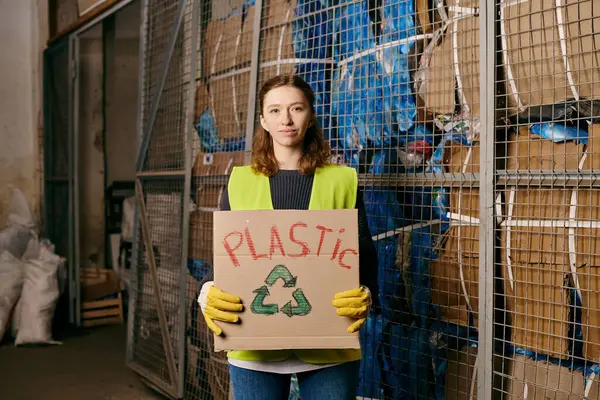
(259, 306)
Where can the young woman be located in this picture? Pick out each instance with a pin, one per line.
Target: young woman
(289, 154)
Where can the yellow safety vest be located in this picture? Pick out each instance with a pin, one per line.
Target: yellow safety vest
(334, 187)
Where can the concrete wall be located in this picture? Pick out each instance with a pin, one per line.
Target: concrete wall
(23, 36)
(122, 72)
(91, 148)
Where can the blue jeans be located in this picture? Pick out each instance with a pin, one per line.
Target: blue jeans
(332, 383)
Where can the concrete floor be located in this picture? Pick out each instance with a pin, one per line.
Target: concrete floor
(89, 366)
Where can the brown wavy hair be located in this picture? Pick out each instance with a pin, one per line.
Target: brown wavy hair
(316, 152)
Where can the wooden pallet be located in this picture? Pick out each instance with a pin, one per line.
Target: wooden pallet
(102, 312)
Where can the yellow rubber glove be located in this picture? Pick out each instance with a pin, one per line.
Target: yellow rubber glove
(218, 307)
(354, 303)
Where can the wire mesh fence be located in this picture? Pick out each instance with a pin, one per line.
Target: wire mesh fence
(401, 95)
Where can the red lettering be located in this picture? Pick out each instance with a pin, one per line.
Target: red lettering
(338, 243)
(336, 249)
(304, 245)
(231, 250)
(342, 254)
(275, 242)
(322, 238)
(252, 248)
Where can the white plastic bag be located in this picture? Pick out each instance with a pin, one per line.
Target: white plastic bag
(128, 218)
(38, 299)
(11, 283)
(15, 236)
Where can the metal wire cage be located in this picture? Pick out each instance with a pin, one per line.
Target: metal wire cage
(471, 125)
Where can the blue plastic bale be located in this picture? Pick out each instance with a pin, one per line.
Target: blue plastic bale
(315, 74)
(210, 142)
(369, 381)
(357, 104)
(399, 103)
(357, 84)
(312, 34)
(395, 349)
(352, 29)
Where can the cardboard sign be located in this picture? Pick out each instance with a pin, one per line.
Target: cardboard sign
(286, 266)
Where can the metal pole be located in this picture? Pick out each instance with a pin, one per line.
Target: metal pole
(75, 63)
(254, 71)
(133, 294)
(160, 85)
(70, 157)
(188, 143)
(486, 231)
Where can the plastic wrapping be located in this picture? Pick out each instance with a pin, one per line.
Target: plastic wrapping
(35, 308)
(312, 37)
(558, 132)
(317, 76)
(372, 93)
(371, 336)
(11, 283)
(210, 140)
(398, 102)
(357, 84)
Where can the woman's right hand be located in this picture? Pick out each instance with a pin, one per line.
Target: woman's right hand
(218, 305)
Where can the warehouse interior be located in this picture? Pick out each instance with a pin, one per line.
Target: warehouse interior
(471, 126)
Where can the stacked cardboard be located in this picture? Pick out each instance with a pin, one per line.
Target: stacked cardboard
(455, 275)
(455, 63)
(549, 50)
(227, 56)
(461, 375)
(208, 199)
(537, 380)
(548, 56)
(538, 250)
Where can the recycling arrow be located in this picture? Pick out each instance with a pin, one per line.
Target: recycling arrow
(281, 272)
(303, 307)
(258, 305)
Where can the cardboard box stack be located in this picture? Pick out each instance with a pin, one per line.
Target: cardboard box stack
(539, 251)
(227, 56)
(208, 199)
(455, 277)
(538, 40)
(548, 241)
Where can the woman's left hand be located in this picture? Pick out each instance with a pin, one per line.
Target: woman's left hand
(354, 303)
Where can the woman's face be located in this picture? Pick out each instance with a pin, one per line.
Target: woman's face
(286, 115)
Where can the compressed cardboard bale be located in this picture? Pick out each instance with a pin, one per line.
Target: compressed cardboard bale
(445, 278)
(461, 375)
(276, 39)
(277, 11)
(535, 59)
(460, 159)
(222, 97)
(208, 199)
(201, 99)
(439, 92)
(538, 380)
(538, 304)
(587, 239)
(219, 163)
(592, 160)
(589, 281)
(221, 44)
(527, 152)
(455, 65)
